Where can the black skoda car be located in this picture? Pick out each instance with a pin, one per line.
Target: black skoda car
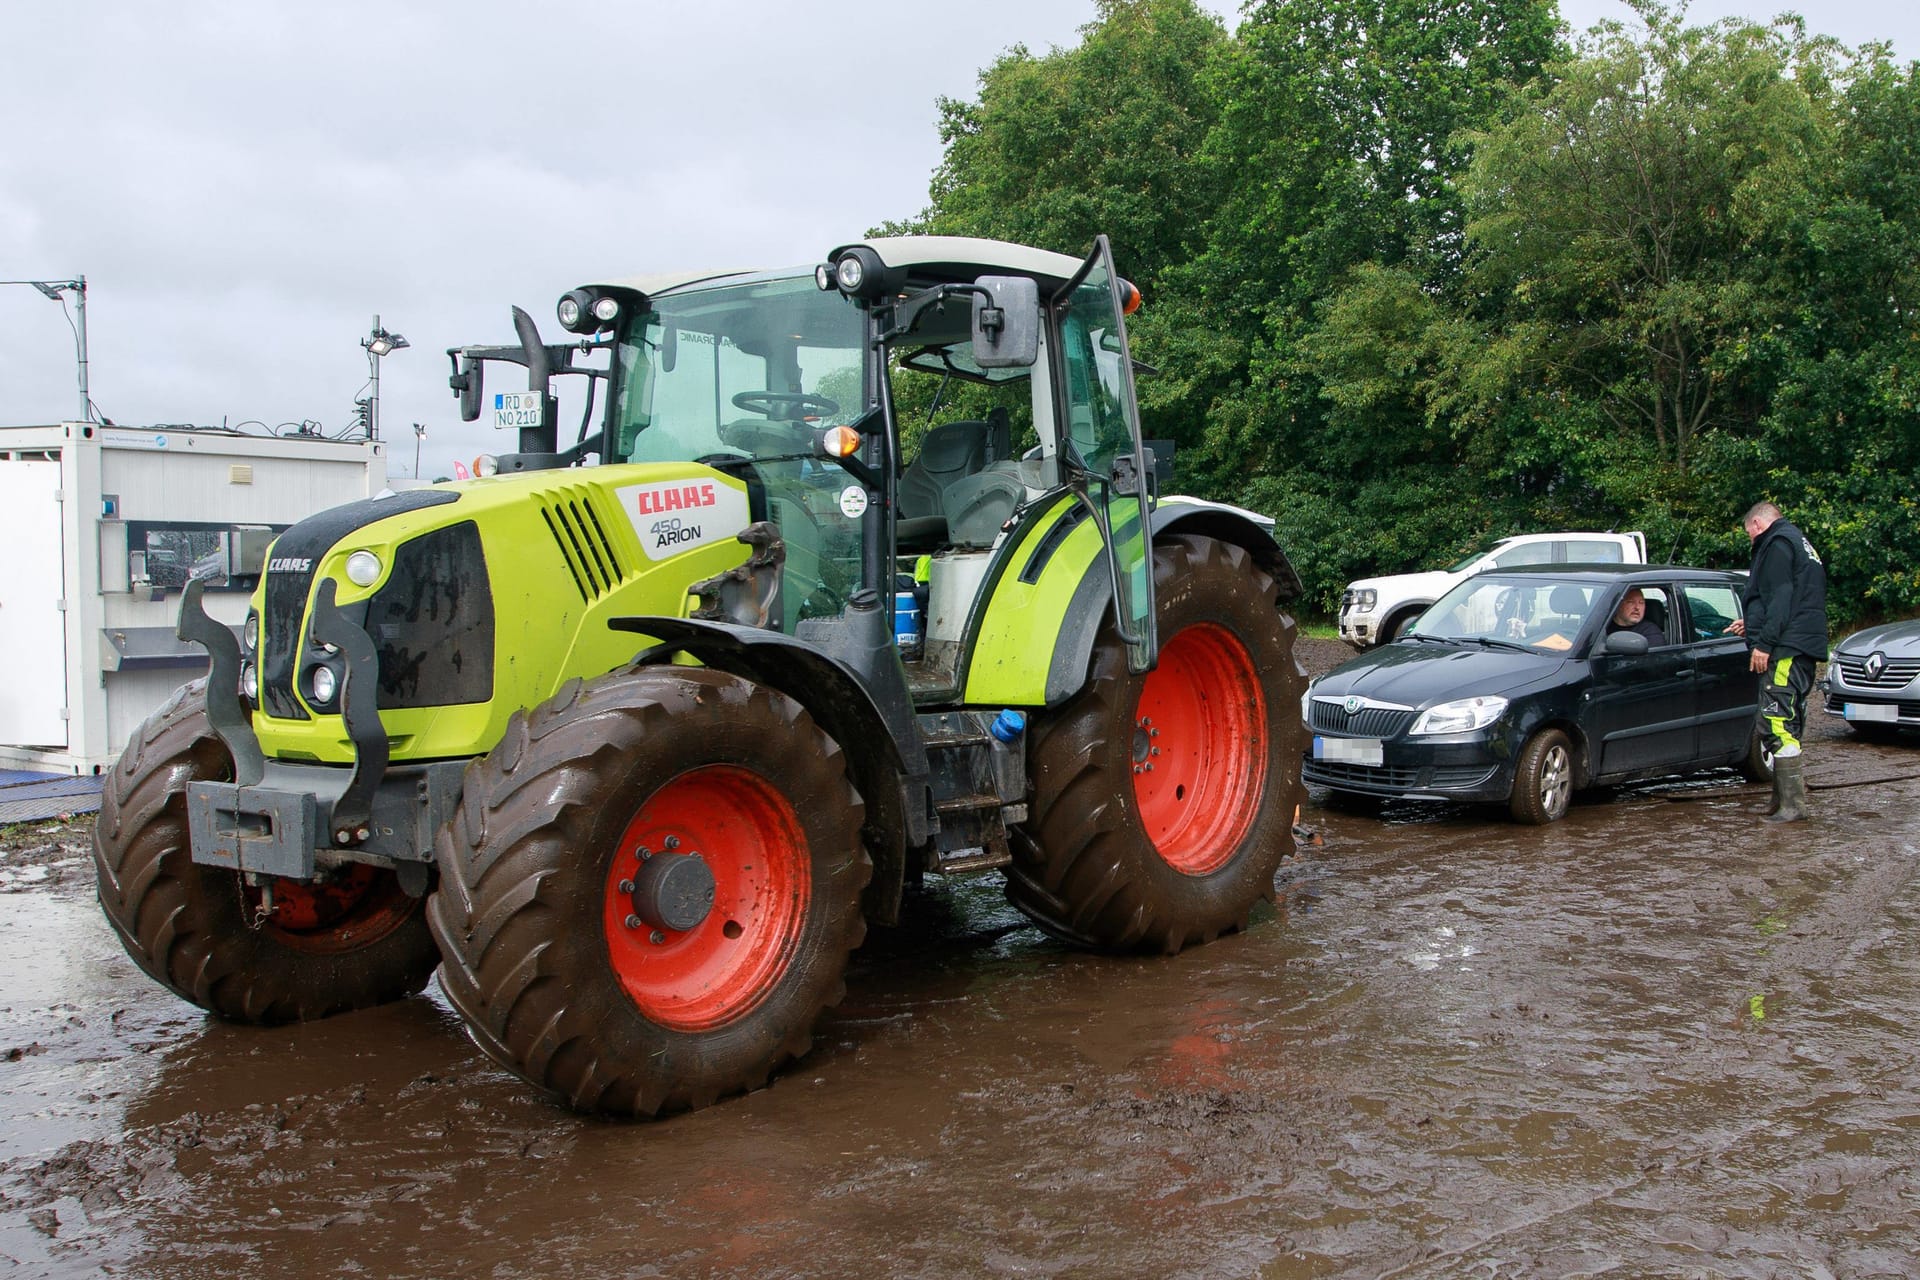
(1522, 686)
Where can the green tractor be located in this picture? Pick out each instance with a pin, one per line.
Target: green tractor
(633, 752)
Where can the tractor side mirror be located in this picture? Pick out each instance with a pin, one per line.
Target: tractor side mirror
(466, 382)
(1006, 322)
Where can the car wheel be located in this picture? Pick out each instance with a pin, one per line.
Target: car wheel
(1757, 765)
(1543, 781)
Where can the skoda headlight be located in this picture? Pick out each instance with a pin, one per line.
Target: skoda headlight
(1462, 716)
(1365, 598)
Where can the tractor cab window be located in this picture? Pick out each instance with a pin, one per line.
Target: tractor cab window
(740, 377)
(748, 370)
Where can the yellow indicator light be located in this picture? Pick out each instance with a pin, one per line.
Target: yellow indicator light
(840, 442)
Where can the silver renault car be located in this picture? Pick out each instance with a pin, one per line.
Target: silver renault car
(1873, 679)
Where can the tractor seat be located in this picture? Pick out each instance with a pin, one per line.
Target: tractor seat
(949, 452)
(978, 505)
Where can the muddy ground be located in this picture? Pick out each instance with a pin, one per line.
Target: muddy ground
(1659, 1038)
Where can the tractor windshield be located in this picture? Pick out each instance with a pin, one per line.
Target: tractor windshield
(740, 377)
(748, 370)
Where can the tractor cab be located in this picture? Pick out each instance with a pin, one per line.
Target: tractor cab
(898, 416)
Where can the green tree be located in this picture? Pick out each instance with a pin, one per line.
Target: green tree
(1615, 213)
(1098, 138)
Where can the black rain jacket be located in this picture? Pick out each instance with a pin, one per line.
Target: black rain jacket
(1785, 603)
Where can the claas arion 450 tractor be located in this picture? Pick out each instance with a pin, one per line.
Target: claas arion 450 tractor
(868, 580)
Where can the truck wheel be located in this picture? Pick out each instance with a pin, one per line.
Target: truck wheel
(1163, 803)
(285, 951)
(1543, 779)
(650, 889)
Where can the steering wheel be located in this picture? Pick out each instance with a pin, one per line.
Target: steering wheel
(798, 403)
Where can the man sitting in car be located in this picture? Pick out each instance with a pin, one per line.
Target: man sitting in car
(1632, 616)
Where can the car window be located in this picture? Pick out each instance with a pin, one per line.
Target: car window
(1593, 551)
(1710, 610)
(1525, 553)
(1537, 612)
(1651, 618)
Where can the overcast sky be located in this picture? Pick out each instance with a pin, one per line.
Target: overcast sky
(245, 185)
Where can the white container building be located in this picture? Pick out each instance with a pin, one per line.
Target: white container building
(104, 526)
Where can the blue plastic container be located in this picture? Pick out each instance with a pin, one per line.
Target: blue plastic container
(906, 621)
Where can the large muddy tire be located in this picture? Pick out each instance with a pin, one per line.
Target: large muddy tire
(1163, 803)
(651, 889)
(287, 951)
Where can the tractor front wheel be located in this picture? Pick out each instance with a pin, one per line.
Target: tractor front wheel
(270, 951)
(650, 890)
(1163, 803)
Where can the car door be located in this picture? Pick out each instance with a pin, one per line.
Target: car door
(1728, 692)
(1642, 708)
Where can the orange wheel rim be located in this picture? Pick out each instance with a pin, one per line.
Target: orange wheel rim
(359, 905)
(1199, 754)
(748, 839)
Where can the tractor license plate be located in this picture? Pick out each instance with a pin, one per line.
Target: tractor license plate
(516, 409)
(1885, 714)
(1367, 751)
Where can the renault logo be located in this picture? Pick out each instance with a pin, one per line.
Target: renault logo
(1352, 705)
(1876, 663)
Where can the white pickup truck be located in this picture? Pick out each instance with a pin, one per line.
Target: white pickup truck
(1375, 610)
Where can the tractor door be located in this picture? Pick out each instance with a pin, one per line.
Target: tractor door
(1100, 448)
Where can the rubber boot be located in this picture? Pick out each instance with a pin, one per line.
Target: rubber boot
(1790, 784)
(1779, 786)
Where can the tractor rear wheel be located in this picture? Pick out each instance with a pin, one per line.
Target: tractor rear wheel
(650, 890)
(1163, 803)
(276, 951)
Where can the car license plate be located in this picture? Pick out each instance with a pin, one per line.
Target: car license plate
(1872, 711)
(1367, 751)
(516, 409)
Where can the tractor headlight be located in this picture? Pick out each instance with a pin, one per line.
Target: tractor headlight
(606, 309)
(250, 682)
(250, 633)
(486, 465)
(1461, 716)
(363, 568)
(324, 684)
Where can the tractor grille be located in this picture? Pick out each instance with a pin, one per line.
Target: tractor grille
(1897, 674)
(581, 535)
(432, 621)
(1368, 722)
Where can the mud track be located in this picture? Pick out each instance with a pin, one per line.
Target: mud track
(1657, 1038)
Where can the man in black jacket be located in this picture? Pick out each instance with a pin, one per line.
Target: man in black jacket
(1785, 623)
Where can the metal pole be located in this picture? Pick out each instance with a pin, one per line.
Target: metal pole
(373, 400)
(419, 434)
(86, 401)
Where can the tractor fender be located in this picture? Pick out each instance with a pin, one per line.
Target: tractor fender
(1093, 593)
(888, 760)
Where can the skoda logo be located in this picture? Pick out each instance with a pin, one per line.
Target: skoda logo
(1876, 663)
(1352, 705)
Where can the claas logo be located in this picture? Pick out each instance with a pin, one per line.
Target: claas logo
(685, 497)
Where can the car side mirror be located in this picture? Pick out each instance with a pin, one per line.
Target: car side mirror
(1626, 642)
(1006, 322)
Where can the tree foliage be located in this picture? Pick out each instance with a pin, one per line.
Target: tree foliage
(1420, 274)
